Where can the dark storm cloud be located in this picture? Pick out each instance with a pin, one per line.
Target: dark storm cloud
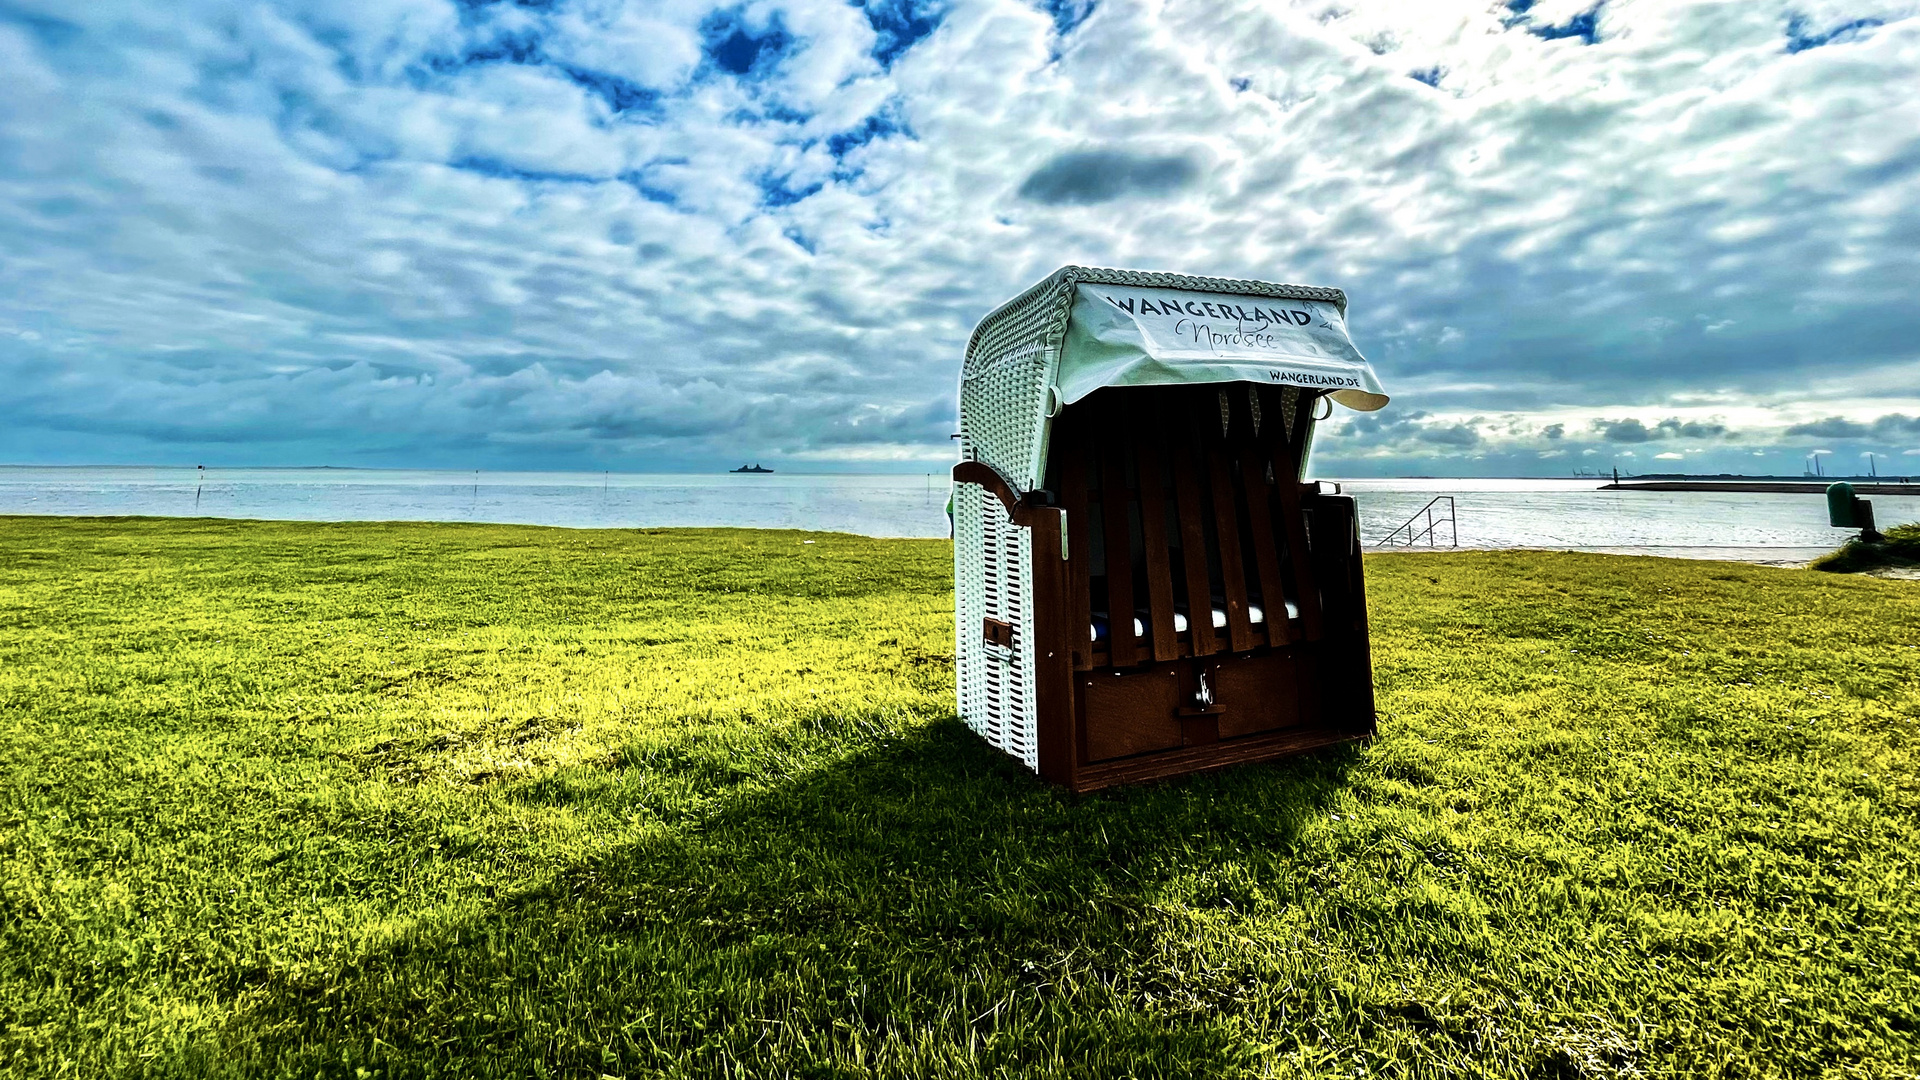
(1833, 427)
(1626, 431)
(1086, 177)
(1892, 425)
(1632, 430)
(1449, 435)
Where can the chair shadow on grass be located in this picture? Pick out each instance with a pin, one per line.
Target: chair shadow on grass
(921, 896)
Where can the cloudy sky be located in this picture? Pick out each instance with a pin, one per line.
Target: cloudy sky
(644, 235)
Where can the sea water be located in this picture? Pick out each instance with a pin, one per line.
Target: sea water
(1564, 514)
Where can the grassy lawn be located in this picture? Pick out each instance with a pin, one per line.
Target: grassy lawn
(451, 800)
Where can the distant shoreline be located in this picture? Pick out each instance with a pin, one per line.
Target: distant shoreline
(1783, 487)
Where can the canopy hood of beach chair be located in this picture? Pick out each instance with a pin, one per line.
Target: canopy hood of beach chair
(1125, 335)
(1084, 328)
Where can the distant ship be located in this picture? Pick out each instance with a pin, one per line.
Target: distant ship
(755, 467)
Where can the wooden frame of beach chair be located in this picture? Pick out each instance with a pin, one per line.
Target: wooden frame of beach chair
(1164, 594)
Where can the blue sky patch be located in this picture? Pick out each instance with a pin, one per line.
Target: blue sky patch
(734, 46)
(1585, 26)
(775, 192)
(878, 126)
(1068, 14)
(49, 30)
(527, 47)
(1800, 36)
(638, 182)
(900, 24)
(1431, 76)
(621, 95)
(762, 111)
(529, 5)
(521, 47)
(500, 170)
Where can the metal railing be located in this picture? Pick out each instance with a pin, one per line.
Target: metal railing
(1425, 523)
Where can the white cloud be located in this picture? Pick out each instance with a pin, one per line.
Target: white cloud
(393, 230)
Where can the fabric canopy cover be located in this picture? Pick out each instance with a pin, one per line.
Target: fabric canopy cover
(1121, 335)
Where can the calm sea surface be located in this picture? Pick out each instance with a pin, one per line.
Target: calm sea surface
(1488, 513)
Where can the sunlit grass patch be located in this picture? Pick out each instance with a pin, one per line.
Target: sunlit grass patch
(282, 799)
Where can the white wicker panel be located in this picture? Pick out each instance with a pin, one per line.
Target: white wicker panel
(995, 685)
(1000, 410)
(1022, 727)
(1008, 591)
(969, 602)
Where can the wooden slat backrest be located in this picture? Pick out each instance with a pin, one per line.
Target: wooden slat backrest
(1266, 557)
(1170, 440)
(1226, 521)
(1286, 472)
(1112, 438)
(1148, 432)
(1188, 498)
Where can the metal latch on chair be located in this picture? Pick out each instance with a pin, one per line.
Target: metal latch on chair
(997, 633)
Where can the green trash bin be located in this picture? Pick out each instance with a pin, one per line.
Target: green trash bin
(1845, 510)
(1840, 502)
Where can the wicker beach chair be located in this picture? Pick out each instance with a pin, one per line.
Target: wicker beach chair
(1144, 585)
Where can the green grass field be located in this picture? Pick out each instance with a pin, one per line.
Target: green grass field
(449, 800)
